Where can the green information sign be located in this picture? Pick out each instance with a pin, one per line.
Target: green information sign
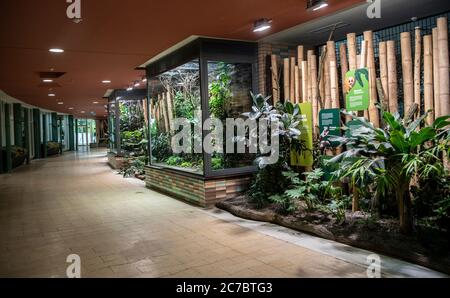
(330, 119)
(357, 89)
(304, 158)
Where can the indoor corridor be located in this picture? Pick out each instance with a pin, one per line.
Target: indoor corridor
(75, 204)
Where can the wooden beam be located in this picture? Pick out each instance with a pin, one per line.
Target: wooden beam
(444, 84)
(286, 79)
(392, 76)
(382, 51)
(436, 88)
(373, 110)
(275, 80)
(417, 67)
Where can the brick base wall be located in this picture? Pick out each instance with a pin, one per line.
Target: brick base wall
(195, 190)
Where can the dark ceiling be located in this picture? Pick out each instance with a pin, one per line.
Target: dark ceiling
(114, 37)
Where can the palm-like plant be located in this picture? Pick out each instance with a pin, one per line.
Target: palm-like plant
(390, 157)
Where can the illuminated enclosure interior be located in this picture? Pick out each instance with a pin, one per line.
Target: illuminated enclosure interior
(182, 91)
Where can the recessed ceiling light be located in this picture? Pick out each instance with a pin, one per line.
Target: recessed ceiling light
(137, 85)
(71, 108)
(316, 5)
(56, 50)
(51, 94)
(129, 88)
(262, 25)
(95, 102)
(60, 103)
(47, 80)
(106, 81)
(82, 112)
(144, 80)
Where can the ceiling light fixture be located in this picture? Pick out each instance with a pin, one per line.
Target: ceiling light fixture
(144, 80)
(106, 81)
(52, 94)
(56, 50)
(47, 81)
(71, 108)
(60, 103)
(137, 85)
(95, 102)
(82, 112)
(129, 88)
(314, 5)
(262, 25)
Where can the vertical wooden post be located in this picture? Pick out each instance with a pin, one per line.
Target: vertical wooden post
(275, 80)
(436, 88)
(408, 89)
(351, 44)
(170, 111)
(326, 78)
(428, 77)
(309, 55)
(300, 58)
(417, 68)
(382, 50)
(292, 76)
(297, 84)
(373, 111)
(333, 83)
(444, 84)
(314, 89)
(166, 111)
(286, 79)
(304, 81)
(331, 51)
(392, 76)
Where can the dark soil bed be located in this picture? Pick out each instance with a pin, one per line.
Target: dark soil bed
(426, 247)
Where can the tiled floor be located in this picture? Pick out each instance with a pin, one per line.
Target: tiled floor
(77, 204)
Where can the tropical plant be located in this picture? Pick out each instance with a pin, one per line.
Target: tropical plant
(288, 118)
(161, 149)
(390, 157)
(220, 92)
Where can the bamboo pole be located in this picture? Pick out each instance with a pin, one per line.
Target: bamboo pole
(292, 84)
(373, 110)
(417, 67)
(300, 58)
(362, 62)
(286, 78)
(333, 85)
(166, 112)
(428, 77)
(275, 80)
(309, 55)
(170, 109)
(444, 85)
(304, 81)
(331, 50)
(344, 70)
(326, 79)
(314, 89)
(408, 89)
(297, 85)
(392, 76)
(436, 88)
(382, 50)
(351, 44)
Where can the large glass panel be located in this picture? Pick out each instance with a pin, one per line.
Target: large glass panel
(229, 86)
(176, 94)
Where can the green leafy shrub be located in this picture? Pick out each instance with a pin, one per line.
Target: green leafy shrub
(174, 161)
(220, 92)
(387, 159)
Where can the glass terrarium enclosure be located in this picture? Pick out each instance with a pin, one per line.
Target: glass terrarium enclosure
(128, 124)
(205, 79)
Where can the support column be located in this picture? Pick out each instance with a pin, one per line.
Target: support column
(76, 134)
(55, 127)
(37, 133)
(1, 138)
(8, 138)
(26, 120)
(44, 136)
(117, 128)
(71, 134)
(18, 125)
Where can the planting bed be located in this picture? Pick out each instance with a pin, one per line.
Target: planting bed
(425, 246)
